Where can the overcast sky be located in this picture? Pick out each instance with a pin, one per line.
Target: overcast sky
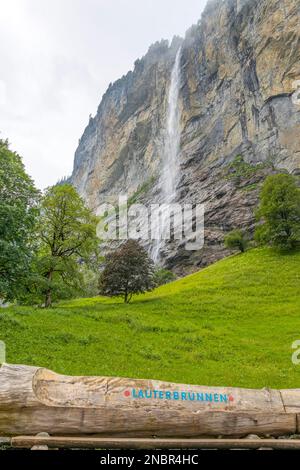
(57, 58)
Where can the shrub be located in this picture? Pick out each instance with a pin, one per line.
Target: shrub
(236, 240)
(163, 276)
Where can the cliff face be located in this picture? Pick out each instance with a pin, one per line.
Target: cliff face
(238, 96)
(120, 148)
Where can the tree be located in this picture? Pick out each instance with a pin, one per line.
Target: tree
(279, 212)
(236, 239)
(128, 271)
(18, 212)
(67, 233)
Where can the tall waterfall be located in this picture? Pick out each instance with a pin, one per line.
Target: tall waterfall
(171, 149)
(169, 177)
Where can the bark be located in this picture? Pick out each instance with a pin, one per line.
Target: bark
(48, 298)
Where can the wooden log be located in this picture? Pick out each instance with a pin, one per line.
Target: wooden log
(5, 441)
(34, 400)
(291, 400)
(140, 443)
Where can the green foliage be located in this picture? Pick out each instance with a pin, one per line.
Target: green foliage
(250, 187)
(232, 324)
(18, 212)
(163, 276)
(279, 211)
(236, 239)
(128, 271)
(239, 170)
(90, 280)
(242, 168)
(67, 242)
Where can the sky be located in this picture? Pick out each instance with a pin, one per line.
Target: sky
(57, 58)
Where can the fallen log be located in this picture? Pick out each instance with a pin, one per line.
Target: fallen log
(34, 400)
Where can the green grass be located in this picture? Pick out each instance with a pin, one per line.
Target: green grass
(233, 323)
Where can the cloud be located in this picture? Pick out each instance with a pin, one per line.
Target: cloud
(57, 59)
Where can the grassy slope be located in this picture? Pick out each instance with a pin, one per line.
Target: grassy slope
(231, 324)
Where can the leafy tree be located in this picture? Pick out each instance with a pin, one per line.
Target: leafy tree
(236, 239)
(68, 241)
(128, 271)
(18, 211)
(163, 276)
(279, 211)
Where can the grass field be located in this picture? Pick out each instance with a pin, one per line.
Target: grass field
(233, 324)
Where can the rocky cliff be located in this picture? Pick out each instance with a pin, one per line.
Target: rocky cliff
(239, 120)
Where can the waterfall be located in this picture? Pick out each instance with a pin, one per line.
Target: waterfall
(171, 148)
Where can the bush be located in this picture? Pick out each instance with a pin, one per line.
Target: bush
(163, 276)
(236, 240)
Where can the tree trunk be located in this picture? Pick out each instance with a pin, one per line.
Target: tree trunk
(127, 298)
(48, 298)
(34, 400)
